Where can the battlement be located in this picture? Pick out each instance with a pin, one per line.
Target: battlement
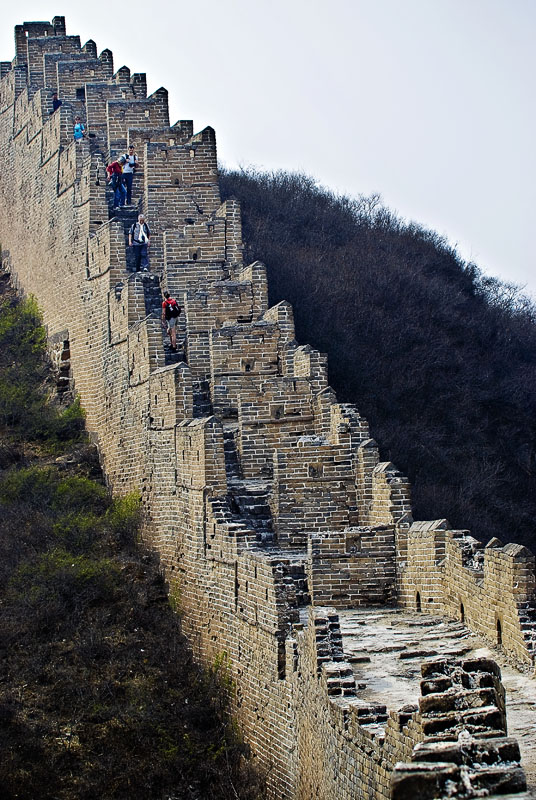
(292, 542)
(489, 588)
(25, 33)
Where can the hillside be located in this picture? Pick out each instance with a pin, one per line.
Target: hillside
(99, 695)
(438, 357)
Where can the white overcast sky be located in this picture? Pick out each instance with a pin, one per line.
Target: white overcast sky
(428, 102)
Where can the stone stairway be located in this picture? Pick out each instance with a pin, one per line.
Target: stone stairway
(527, 620)
(232, 463)
(249, 501)
(202, 399)
(172, 357)
(296, 574)
(127, 216)
(152, 294)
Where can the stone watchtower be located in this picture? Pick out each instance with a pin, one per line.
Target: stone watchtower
(292, 546)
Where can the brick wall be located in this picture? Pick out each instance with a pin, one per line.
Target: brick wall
(265, 498)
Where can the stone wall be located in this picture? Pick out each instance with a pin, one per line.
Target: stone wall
(264, 496)
(489, 588)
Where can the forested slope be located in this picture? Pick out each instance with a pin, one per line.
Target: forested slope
(439, 358)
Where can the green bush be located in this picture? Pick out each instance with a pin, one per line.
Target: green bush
(29, 486)
(58, 575)
(13, 403)
(79, 494)
(70, 422)
(25, 404)
(45, 487)
(78, 531)
(123, 519)
(22, 332)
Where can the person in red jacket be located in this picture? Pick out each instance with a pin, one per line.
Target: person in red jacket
(170, 313)
(114, 176)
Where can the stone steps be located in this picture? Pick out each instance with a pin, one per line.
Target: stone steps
(232, 464)
(202, 399)
(250, 502)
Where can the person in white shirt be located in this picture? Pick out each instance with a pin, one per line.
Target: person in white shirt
(139, 237)
(130, 166)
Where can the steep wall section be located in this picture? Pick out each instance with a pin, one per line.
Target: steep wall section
(265, 497)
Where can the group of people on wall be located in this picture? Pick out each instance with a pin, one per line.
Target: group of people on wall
(119, 173)
(120, 176)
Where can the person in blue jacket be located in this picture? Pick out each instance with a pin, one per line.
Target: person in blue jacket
(79, 130)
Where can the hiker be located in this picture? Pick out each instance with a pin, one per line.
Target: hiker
(56, 103)
(114, 175)
(170, 313)
(139, 237)
(131, 164)
(79, 130)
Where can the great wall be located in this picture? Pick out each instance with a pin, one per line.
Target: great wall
(358, 639)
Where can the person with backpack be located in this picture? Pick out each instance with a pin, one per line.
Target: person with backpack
(170, 313)
(131, 164)
(114, 176)
(139, 237)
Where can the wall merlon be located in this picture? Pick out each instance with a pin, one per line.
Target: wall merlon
(145, 349)
(106, 252)
(240, 356)
(278, 410)
(346, 425)
(50, 66)
(234, 249)
(283, 315)
(130, 112)
(202, 241)
(72, 76)
(138, 81)
(183, 129)
(30, 30)
(122, 76)
(171, 395)
(106, 60)
(310, 363)
(90, 48)
(206, 136)
(200, 455)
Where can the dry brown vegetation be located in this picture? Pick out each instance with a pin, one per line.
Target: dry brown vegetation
(438, 357)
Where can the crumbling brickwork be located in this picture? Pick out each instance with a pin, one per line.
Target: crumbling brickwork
(265, 497)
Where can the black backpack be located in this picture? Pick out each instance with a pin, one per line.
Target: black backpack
(173, 309)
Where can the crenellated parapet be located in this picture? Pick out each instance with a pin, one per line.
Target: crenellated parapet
(275, 518)
(489, 588)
